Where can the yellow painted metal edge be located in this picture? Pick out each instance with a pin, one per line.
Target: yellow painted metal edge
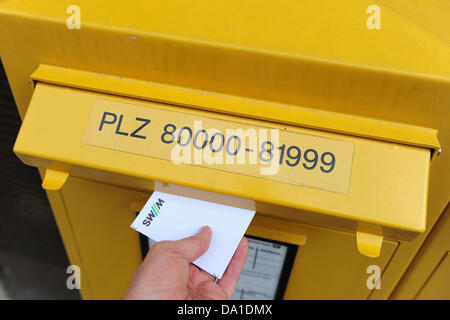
(85, 172)
(279, 230)
(64, 224)
(256, 109)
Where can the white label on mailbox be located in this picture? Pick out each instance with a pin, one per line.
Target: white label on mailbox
(269, 153)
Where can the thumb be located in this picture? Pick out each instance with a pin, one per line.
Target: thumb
(194, 247)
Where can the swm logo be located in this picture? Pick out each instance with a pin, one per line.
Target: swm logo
(153, 213)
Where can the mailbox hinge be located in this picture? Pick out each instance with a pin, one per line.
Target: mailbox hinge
(369, 240)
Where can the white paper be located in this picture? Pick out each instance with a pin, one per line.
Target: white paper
(174, 217)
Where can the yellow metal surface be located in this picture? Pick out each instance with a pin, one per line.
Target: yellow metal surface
(264, 110)
(436, 286)
(428, 277)
(379, 170)
(109, 253)
(312, 64)
(278, 230)
(290, 40)
(429, 15)
(327, 264)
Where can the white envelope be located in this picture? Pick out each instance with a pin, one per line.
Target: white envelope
(171, 217)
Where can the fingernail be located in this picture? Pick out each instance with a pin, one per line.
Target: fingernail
(203, 229)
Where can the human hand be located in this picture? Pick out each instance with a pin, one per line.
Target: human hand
(167, 271)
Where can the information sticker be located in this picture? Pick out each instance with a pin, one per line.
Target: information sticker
(265, 152)
(266, 270)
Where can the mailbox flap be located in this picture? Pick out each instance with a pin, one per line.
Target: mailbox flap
(339, 180)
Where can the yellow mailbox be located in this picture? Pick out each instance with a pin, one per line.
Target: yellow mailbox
(353, 120)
